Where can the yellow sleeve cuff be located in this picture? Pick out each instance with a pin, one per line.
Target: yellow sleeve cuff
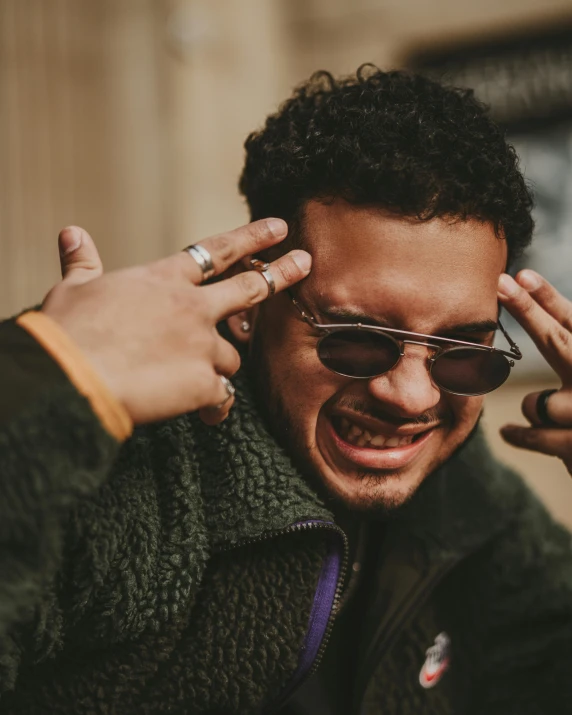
(57, 343)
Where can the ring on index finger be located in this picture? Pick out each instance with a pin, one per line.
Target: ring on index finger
(203, 259)
(542, 411)
(264, 270)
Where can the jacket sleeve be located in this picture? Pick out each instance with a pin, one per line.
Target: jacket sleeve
(526, 597)
(54, 451)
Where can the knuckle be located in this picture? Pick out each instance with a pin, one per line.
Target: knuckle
(235, 361)
(532, 438)
(260, 231)
(217, 389)
(288, 270)
(199, 339)
(199, 381)
(167, 269)
(229, 358)
(558, 339)
(258, 236)
(179, 301)
(251, 286)
(211, 383)
(223, 247)
(525, 304)
(527, 437)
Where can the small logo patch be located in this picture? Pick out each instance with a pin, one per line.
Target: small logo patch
(437, 661)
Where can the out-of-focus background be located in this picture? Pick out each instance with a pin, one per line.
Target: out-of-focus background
(128, 118)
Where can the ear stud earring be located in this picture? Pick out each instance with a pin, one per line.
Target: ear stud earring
(245, 326)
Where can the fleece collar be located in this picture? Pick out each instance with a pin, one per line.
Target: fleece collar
(249, 485)
(462, 505)
(251, 488)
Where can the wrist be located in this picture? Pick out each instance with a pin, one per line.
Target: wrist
(80, 371)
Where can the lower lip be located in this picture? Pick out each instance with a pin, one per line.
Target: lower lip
(391, 458)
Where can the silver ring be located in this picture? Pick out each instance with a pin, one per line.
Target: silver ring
(264, 270)
(230, 391)
(203, 259)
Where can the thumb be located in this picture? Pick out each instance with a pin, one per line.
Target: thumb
(79, 258)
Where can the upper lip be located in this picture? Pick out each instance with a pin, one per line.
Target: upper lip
(377, 427)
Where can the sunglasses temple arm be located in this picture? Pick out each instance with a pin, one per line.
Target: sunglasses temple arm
(308, 317)
(513, 346)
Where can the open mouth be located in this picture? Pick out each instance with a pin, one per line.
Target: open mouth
(363, 446)
(358, 436)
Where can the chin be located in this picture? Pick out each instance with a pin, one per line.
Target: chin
(371, 491)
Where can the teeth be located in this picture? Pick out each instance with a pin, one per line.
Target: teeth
(363, 438)
(354, 432)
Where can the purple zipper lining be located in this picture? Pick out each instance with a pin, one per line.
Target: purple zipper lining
(319, 615)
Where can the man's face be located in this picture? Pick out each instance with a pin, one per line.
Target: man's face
(428, 277)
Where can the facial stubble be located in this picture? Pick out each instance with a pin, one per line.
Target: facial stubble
(373, 494)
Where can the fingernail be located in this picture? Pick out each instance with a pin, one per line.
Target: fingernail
(70, 240)
(507, 286)
(529, 280)
(277, 227)
(303, 260)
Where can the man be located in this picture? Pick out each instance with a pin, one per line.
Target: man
(343, 542)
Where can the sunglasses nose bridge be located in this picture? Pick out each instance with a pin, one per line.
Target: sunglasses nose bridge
(434, 349)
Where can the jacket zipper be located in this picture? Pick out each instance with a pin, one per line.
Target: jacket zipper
(292, 529)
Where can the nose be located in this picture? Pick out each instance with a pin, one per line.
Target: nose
(407, 390)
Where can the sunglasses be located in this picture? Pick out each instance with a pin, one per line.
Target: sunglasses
(367, 351)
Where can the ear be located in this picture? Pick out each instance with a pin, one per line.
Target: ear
(241, 325)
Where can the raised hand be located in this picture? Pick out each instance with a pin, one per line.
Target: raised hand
(547, 317)
(150, 331)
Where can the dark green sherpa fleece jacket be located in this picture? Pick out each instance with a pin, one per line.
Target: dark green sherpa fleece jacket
(181, 572)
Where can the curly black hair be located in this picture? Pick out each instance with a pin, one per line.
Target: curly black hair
(395, 140)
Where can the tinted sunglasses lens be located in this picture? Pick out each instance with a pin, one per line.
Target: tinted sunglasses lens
(470, 372)
(358, 353)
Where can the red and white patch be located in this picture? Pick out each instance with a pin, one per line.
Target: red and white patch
(437, 661)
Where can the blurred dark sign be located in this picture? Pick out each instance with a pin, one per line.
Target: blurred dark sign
(526, 79)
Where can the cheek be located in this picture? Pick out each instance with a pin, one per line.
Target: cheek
(304, 380)
(298, 377)
(466, 411)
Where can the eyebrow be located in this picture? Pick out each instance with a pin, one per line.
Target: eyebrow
(344, 315)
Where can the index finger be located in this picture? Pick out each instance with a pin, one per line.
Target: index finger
(546, 295)
(549, 336)
(245, 290)
(228, 248)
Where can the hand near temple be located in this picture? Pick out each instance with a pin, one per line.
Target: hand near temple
(547, 317)
(150, 331)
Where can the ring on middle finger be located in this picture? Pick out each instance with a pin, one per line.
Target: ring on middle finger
(264, 269)
(542, 409)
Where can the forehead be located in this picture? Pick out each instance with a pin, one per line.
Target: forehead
(400, 268)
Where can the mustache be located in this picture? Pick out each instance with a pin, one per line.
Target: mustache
(366, 409)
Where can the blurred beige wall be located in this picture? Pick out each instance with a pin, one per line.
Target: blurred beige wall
(128, 118)
(547, 476)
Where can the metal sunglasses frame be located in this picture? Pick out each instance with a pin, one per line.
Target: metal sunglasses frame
(413, 339)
